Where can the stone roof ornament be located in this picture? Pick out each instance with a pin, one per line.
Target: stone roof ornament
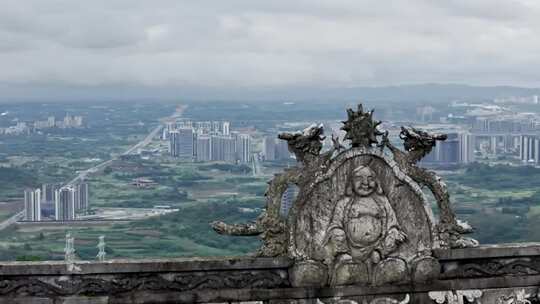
(360, 216)
(361, 128)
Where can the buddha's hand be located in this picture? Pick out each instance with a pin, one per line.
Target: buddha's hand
(334, 245)
(393, 239)
(338, 241)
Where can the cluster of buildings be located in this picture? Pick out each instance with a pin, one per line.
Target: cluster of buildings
(529, 149)
(504, 125)
(518, 135)
(491, 131)
(55, 202)
(458, 148)
(20, 128)
(69, 121)
(207, 141)
(275, 149)
(518, 99)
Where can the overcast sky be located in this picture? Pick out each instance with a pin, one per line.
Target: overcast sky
(228, 43)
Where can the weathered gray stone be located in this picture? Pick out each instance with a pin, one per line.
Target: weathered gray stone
(360, 212)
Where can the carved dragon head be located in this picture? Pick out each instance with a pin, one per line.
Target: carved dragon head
(305, 144)
(418, 141)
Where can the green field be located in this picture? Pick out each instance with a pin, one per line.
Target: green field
(202, 192)
(184, 233)
(501, 202)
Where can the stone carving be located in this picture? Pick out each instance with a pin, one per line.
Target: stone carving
(360, 216)
(270, 226)
(418, 144)
(491, 268)
(363, 231)
(384, 300)
(518, 296)
(93, 286)
(457, 297)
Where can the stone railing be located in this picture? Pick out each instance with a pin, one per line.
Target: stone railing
(487, 274)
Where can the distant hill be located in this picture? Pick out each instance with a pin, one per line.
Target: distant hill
(418, 92)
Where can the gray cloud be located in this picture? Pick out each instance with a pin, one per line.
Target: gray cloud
(245, 43)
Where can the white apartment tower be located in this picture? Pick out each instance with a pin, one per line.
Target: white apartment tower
(64, 204)
(32, 205)
(226, 128)
(269, 148)
(243, 148)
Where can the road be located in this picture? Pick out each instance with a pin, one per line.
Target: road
(82, 175)
(12, 220)
(143, 143)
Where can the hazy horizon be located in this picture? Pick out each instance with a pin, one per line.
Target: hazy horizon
(439, 92)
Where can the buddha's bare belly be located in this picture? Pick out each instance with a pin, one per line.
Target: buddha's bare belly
(364, 225)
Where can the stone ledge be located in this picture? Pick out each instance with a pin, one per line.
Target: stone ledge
(489, 251)
(143, 266)
(233, 295)
(258, 294)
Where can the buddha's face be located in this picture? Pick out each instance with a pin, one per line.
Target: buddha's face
(364, 182)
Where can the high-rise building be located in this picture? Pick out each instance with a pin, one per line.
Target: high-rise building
(185, 143)
(536, 148)
(174, 138)
(466, 148)
(64, 203)
(51, 122)
(449, 151)
(226, 128)
(269, 148)
(204, 127)
(458, 148)
(282, 150)
(229, 149)
(223, 148)
(218, 148)
(503, 125)
(47, 199)
(216, 127)
(47, 192)
(77, 121)
(81, 197)
(32, 205)
(529, 148)
(203, 147)
(181, 143)
(169, 127)
(243, 148)
(184, 124)
(67, 121)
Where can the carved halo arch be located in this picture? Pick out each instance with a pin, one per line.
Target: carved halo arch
(332, 179)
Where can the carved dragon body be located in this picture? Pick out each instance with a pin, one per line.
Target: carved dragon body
(418, 144)
(270, 226)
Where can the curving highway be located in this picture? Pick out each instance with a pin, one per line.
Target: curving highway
(83, 174)
(143, 143)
